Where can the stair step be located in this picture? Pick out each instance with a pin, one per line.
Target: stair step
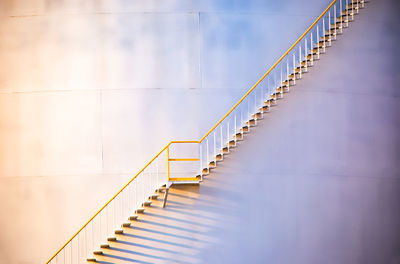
(348, 13)
(331, 32)
(277, 95)
(320, 44)
(212, 164)
(298, 69)
(127, 224)
(266, 108)
(251, 122)
(326, 38)
(205, 171)
(282, 89)
(154, 196)
(112, 239)
(347, 19)
(91, 260)
(343, 19)
(294, 76)
(337, 26)
(232, 143)
(160, 190)
(270, 102)
(104, 246)
(245, 129)
(219, 157)
(225, 150)
(97, 252)
(257, 115)
(354, 7)
(147, 203)
(133, 217)
(238, 136)
(140, 211)
(119, 232)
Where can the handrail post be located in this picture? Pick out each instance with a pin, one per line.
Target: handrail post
(222, 142)
(294, 68)
(215, 148)
(352, 10)
(340, 2)
(305, 50)
(318, 41)
(323, 34)
(287, 72)
(281, 84)
(207, 155)
(334, 20)
(255, 105)
(168, 175)
(227, 136)
(201, 162)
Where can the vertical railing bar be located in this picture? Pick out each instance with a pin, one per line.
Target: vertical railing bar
(201, 161)
(207, 156)
(222, 144)
(334, 20)
(281, 84)
(235, 129)
(78, 249)
(227, 136)
(255, 102)
(215, 147)
(311, 47)
(168, 163)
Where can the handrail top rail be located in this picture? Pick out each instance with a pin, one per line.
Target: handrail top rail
(273, 66)
(195, 141)
(120, 190)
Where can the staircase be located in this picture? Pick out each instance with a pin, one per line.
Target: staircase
(162, 191)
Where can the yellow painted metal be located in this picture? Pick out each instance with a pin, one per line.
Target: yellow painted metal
(273, 66)
(148, 163)
(184, 141)
(183, 159)
(168, 162)
(191, 141)
(184, 179)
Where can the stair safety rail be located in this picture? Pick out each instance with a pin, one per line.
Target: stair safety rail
(210, 149)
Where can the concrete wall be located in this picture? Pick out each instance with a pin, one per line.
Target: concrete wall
(89, 92)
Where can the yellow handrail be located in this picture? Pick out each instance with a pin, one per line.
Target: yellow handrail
(148, 163)
(193, 141)
(262, 78)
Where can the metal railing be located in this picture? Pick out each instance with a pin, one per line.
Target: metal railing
(206, 152)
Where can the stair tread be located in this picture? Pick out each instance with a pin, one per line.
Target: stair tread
(133, 217)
